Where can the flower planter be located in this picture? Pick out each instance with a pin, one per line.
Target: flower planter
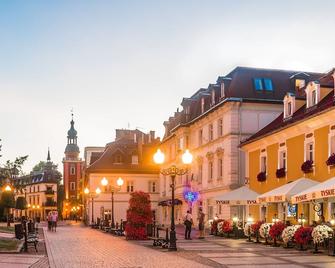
(331, 161)
(261, 177)
(307, 166)
(280, 173)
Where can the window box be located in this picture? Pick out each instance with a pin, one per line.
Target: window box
(331, 160)
(307, 166)
(280, 173)
(261, 176)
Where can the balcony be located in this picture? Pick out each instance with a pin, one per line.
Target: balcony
(50, 203)
(49, 192)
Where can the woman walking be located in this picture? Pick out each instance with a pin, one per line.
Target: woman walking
(54, 220)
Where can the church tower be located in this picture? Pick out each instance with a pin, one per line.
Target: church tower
(72, 167)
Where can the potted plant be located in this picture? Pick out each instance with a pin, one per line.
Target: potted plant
(288, 234)
(307, 166)
(280, 173)
(331, 160)
(255, 229)
(276, 231)
(320, 234)
(302, 236)
(261, 176)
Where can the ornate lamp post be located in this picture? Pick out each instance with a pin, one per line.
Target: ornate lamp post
(119, 182)
(92, 195)
(173, 171)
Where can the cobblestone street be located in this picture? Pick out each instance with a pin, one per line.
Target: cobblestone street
(77, 246)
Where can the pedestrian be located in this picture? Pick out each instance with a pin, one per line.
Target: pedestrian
(188, 222)
(49, 219)
(54, 220)
(201, 219)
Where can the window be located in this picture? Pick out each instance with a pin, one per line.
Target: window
(118, 159)
(282, 159)
(72, 186)
(310, 151)
(38, 188)
(332, 144)
(38, 200)
(210, 132)
(186, 142)
(263, 163)
(222, 90)
(258, 84)
(200, 137)
(72, 170)
(152, 187)
(181, 143)
(200, 173)
(268, 84)
(210, 171)
(34, 200)
(134, 159)
(313, 97)
(107, 214)
(213, 96)
(202, 105)
(220, 127)
(299, 83)
(289, 109)
(130, 186)
(220, 168)
(187, 110)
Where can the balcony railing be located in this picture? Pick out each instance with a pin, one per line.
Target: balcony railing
(49, 191)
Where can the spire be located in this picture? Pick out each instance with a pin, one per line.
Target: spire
(48, 158)
(72, 146)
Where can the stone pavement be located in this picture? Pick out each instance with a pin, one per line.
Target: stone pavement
(77, 246)
(20, 260)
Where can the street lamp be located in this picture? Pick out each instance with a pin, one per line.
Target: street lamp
(173, 171)
(119, 182)
(301, 219)
(92, 195)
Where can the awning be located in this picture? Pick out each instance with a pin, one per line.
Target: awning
(168, 202)
(322, 190)
(239, 196)
(285, 192)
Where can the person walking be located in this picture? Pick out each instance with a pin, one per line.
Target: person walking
(188, 222)
(201, 219)
(49, 219)
(54, 218)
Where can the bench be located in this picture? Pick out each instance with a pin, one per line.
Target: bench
(21, 231)
(159, 240)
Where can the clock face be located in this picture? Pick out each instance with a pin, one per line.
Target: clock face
(317, 207)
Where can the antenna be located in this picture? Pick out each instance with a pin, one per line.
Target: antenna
(72, 113)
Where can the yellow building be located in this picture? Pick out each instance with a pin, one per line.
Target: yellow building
(289, 156)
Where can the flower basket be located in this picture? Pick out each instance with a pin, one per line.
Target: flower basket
(276, 231)
(288, 234)
(307, 166)
(280, 173)
(331, 160)
(320, 233)
(261, 176)
(302, 236)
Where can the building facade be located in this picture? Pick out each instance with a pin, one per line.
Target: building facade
(128, 157)
(72, 173)
(40, 191)
(295, 147)
(212, 124)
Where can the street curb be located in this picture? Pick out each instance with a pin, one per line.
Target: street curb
(49, 253)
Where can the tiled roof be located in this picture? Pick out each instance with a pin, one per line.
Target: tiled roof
(301, 114)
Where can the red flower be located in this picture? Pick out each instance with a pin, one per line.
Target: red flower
(276, 229)
(303, 235)
(255, 227)
(214, 225)
(227, 227)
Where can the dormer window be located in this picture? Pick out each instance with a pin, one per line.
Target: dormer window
(134, 159)
(187, 110)
(213, 96)
(202, 105)
(222, 91)
(118, 159)
(261, 84)
(289, 105)
(312, 94)
(258, 84)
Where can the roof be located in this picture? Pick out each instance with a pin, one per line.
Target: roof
(286, 191)
(300, 115)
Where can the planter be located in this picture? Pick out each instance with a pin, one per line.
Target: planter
(307, 166)
(261, 176)
(280, 173)
(331, 161)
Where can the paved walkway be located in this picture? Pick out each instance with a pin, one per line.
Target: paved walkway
(76, 246)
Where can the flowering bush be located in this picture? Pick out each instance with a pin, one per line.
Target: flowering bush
(227, 227)
(264, 230)
(280, 173)
(248, 228)
(307, 166)
(303, 235)
(276, 230)
(320, 233)
(331, 160)
(214, 225)
(138, 216)
(261, 176)
(288, 233)
(255, 227)
(220, 226)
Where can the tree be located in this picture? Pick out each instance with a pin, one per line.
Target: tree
(7, 201)
(42, 166)
(21, 203)
(11, 169)
(138, 216)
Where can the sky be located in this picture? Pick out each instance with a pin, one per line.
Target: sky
(130, 63)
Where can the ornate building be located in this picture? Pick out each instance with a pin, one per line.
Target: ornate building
(72, 172)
